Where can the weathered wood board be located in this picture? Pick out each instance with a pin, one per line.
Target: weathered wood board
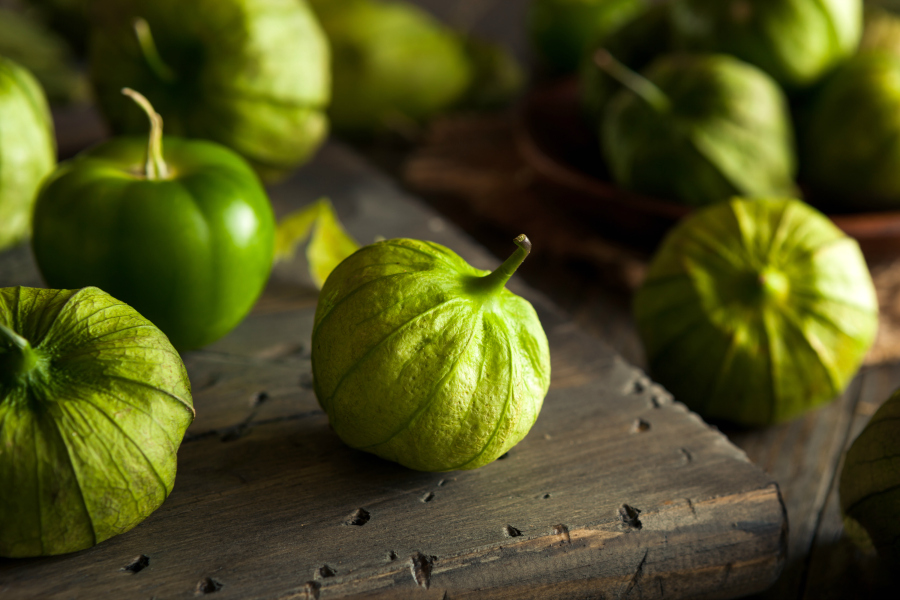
(269, 503)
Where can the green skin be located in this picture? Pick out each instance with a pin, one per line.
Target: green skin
(754, 311)
(94, 402)
(562, 31)
(699, 130)
(219, 72)
(794, 41)
(870, 484)
(393, 64)
(190, 250)
(424, 360)
(27, 149)
(852, 142)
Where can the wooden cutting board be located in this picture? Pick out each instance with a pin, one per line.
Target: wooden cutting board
(617, 492)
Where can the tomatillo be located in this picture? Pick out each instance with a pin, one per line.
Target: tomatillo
(185, 236)
(422, 359)
(94, 402)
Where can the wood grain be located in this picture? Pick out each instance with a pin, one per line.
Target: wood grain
(617, 492)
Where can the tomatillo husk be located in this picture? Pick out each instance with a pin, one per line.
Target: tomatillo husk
(754, 311)
(419, 358)
(94, 402)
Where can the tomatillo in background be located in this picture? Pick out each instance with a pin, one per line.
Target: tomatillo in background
(27, 149)
(253, 75)
(185, 235)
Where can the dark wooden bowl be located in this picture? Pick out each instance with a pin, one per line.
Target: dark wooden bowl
(557, 142)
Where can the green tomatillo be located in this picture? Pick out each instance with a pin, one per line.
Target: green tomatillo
(754, 311)
(27, 149)
(182, 230)
(851, 145)
(424, 360)
(393, 64)
(794, 41)
(94, 402)
(252, 75)
(562, 31)
(698, 129)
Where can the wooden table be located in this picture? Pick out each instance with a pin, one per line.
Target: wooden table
(265, 490)
(617, 491)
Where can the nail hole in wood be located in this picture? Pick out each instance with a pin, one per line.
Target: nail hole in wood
(312, 590)
(545, 497)
(208, 585)
(421, 567)
(639, 426)
(392, 555)
(137, 564)
(428, 497)
(629, 516)
(511, 531)
(562, 530)
(258, 398)
(325, 571)
(360, 517)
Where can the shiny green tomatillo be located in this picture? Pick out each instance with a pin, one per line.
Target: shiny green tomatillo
(185, 236)
(424, 360)
(94, 402)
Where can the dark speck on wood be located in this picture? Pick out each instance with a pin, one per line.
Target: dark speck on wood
(311, 589)
(421, 566)
(137, 564)
(325, 571)
(360, 517)
(629, 516)
(512, 531)
(208, 585)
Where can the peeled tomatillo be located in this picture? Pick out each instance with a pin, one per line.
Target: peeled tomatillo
(181, 230)
(424, 360)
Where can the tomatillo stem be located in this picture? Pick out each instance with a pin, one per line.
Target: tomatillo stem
(155, 167)
(638, 84)
(496, 280)
(150, 53)
(17, 357)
